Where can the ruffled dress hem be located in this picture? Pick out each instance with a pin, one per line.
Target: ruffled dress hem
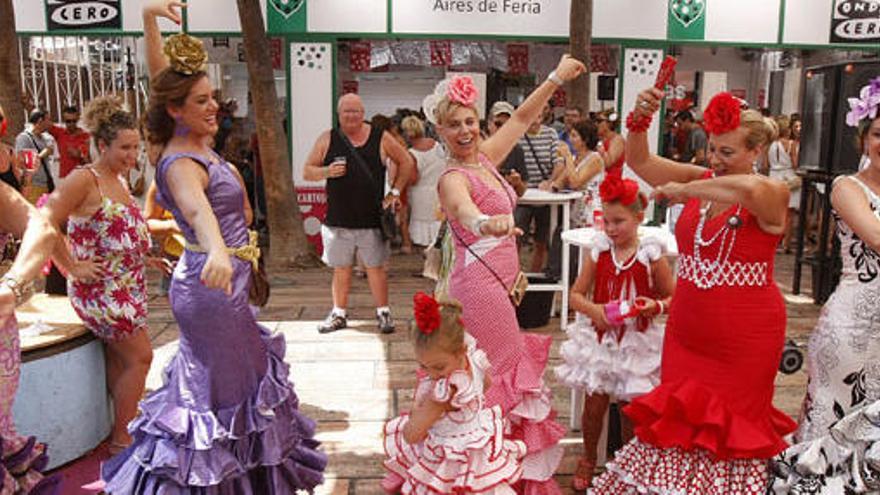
(688, 415)
(640, 468)
(846, 460)
(262, 446)
(21, 463)
(521, 392)
(625, 370)
(488, 464)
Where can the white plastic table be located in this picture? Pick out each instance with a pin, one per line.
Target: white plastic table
(582, 238)
(537, 197)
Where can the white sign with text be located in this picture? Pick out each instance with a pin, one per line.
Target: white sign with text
(489, 17)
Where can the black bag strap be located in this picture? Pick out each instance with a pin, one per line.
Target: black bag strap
(544, 174)
(50, 182)
(360, 162)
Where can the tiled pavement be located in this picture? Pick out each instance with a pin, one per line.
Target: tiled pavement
(351, 381)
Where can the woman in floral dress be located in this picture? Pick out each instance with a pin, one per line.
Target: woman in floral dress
(109, 241)
(840, 420)
(21, 458)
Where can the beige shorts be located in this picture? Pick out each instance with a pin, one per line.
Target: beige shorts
(341, 245)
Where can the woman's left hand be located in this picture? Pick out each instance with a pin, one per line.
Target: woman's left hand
(569, 68)
(671, 193)
(7, 305)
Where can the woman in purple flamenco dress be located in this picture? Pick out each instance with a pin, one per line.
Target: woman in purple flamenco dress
(226, 421)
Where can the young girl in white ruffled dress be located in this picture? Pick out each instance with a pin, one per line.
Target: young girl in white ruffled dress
(613, 348)
(450, 442)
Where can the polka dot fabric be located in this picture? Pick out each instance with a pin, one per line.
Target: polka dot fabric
(640, 468)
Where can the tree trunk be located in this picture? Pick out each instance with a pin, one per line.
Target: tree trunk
(11, 98)
(580, 36)
(288, 245)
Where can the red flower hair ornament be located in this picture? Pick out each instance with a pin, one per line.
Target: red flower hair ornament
(723, 114)
(427, 313)
(613, 188)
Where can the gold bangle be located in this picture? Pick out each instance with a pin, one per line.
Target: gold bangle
(21, 291)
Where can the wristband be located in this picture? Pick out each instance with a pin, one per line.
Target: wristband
(477, 224)
(638, 123)
(555, 79)
(661, 306)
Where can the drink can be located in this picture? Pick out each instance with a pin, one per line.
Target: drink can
(598, 220)
(29, 159)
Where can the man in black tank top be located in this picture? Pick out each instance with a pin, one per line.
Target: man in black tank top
(352, 161)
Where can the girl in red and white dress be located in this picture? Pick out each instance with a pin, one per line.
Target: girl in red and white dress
(710, 427)
(450, 442)
(613, 348)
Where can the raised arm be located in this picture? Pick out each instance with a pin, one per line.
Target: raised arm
(499, 145)
(765, 198)
(187, 181)
(653, 169)
(38, 236)
(849, 201)
(153, 10)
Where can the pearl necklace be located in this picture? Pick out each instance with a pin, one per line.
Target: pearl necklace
(625, 266)
(459, 163)
(708, 272)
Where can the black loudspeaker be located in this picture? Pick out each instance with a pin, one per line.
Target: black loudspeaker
(818, 107)
(606, 87)
(827, 143)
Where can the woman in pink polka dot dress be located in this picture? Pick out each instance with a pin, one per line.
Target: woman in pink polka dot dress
(479, 204)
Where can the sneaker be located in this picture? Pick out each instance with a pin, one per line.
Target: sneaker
(386, 324)
(333, 323)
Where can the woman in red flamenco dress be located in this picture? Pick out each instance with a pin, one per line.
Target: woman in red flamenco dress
(710, 427)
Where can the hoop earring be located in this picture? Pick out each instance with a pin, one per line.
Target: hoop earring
(180, 129)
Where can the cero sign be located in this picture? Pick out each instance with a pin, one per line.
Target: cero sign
(83, 14)
(856, 21)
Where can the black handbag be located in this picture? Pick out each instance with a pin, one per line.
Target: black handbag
(387, 216)
(388, 223)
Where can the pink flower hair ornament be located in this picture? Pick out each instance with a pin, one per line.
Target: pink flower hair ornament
(866, 105)
(461, 90)
(457, 89)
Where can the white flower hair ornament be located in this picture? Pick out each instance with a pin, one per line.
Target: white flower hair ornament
(866, 105)
(457, 89)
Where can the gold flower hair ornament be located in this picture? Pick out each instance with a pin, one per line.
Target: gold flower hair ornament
(186, 54)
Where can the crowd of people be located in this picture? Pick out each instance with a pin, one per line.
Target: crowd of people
(697, 393)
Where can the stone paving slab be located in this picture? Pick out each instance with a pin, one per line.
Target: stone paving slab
(353, 380)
